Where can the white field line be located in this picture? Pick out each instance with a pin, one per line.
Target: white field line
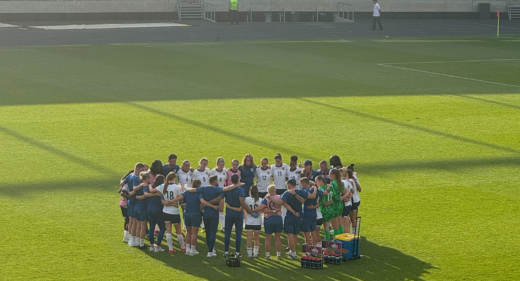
(8, 25)
(449, 75)
(446, 61)
(106, 26)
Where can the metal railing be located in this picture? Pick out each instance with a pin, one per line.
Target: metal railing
(249, 17)
(346, 9)
(209, 11)
(316, 13)
(281, 16)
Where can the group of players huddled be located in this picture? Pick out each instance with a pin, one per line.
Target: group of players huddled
(300, 199)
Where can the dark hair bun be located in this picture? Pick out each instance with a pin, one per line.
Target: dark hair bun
(352, 164)
(294, 158)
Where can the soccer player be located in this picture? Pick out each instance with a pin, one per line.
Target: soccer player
(202, 172)
(273, 221)
(263, 175)
(133, 180)
(247, 172)
(184, 176)
(171, 214)
(123, 203)
(307, 171)
(324, 171)
(211, 219)
(346, 198)
(234, 170)
(234, 215)
(309, 215)
(155, 213)
(253, 222)
(294, 171)
(171, 166)
(335, 162)
(192, 216)
(279, 170)
(337, 189)
(325, 204)
(155, 170)
(141, 206)
(292, 199)
(356, 200)
(222, 176)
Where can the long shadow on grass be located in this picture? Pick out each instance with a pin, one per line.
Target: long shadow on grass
(379, 263)
(224, 132)
(29, 190)
(53, 150)
(444, 165)
(489, 101)
(414, 127)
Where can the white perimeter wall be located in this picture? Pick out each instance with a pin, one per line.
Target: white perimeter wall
(127, 6)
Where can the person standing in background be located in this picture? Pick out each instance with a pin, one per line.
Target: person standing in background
(376, 16)
(233, 11)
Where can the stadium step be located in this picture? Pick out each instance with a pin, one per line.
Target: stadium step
(190, 11)
(513, 9)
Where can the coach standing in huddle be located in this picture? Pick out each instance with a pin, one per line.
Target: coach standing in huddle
(233, 11)
(376, 16)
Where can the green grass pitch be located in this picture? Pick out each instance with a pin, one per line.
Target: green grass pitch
(432, 125)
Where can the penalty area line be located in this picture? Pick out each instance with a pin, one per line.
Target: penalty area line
(448, 75)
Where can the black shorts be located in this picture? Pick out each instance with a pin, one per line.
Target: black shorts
(346, 210)
(319, 222)
(253, 227)
(280, 191)
(174, 219)
(355, 206)
(262, 194)
(124, 210)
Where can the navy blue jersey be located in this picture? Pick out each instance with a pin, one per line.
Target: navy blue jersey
(141, 204)
(311, 213)
(247, 175)
(192, 200)
(311, 176)
(132, 180)
(166, 169)
(293, 202)
(326, 175)
(209, 193)
(233, 199)
(154, 203)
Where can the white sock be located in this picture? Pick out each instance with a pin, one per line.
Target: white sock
(226, 253)
(249, 252)
(141, 242)
(188, 247)
(193, 248)
(181, 240)
(256, 250)
(126, 233)
(278, 254)
(267, 254)
(353, 230)
(222, 219)
(169, 241)
(202, 224)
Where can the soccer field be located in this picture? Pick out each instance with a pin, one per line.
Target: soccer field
(432, 125)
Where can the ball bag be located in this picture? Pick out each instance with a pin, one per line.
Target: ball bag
(233, 262)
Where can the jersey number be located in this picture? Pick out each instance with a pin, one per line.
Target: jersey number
(171, 195)
(252, 207)
(279, 173)
(264, 177)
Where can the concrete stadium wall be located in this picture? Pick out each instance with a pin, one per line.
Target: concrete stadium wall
(167, 9)
(151, 6)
